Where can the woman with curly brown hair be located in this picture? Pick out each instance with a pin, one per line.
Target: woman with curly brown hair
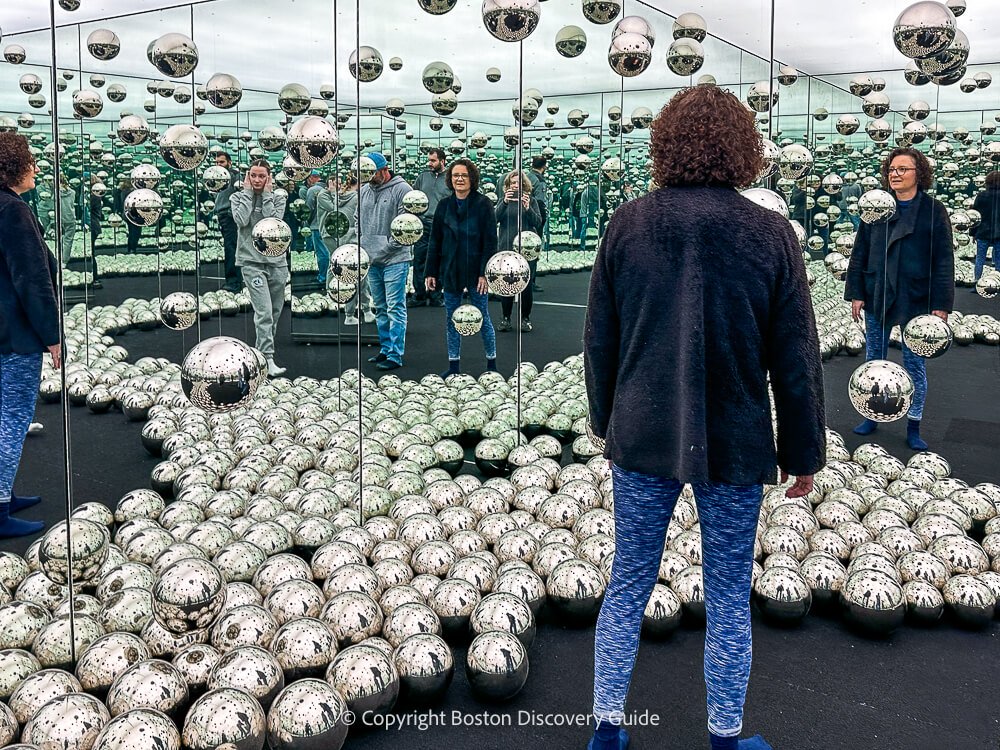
(698, 301)
(29, 321)
(902, 268)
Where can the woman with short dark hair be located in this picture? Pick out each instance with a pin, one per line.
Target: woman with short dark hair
(698, 301)
(29, 322)
(988, 232)
(901, 268)
(463, 238)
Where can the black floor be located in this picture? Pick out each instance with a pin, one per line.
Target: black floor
(816, 686)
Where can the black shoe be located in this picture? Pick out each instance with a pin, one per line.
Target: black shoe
(415, 302)
(96, 284)
(434, 302)
(504, 325)
(389, 364)
(525, 326)
(378, 358)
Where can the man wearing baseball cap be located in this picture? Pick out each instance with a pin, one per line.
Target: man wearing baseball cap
(380, 202)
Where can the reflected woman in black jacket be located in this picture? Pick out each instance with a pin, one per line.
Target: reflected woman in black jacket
(463, 238)
(29, 322)
(988, 232)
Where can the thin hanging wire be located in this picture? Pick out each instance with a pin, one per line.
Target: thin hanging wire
(357, 161)
(336, 207)
(67, 453)
(519, 171)
(194, 187)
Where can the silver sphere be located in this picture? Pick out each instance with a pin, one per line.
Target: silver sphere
(174, 55)
(630, 54)
(313, 142)
(87, 548)
(467, 319)
(349, 264)
(366, 678)
(87, 103)
(179, 310)
(307, 715)
(576, 589)
(928, 336)
(415, 202)
(782, 595)
(571, 41)
(924, 29)
(143, 208)
(103, 44)
(70, 721)
(496, 666)
(304, 647)
(271, 237)
(511, 20)
(107, 658)
(152, 684)
(876, 206)
(601, 11)
(366, 64)
(406, 229)
(183, 147)
(137, 729)
(685, 56)
(507, 273)
(220, 374)
(227, 718)
(881, 390)
(39, 688)
(189, 595)
(426, 666)
(251, 669)
(224, 91)
(873, 602)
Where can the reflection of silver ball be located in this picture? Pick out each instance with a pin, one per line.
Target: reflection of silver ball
(365, 64)
(873, 602)
(426, 667)
(406, 229)
(496, 666)
(307, 715)
(507, 273)
(876, 206)
(685, 56)
(88, 549)
(630, 54)
(511, 20)
(223, 91)
(313, 142)
(928, 336)
(366, 678)
(571, 41)
(143, 208)
(103, 44)
(881, 390)
(220, 374)
(783, 595)
(601, 11)
(224, 718)
(68, 721)
(174, 55)
(467, 319)
(923, 29)
(271, 237)
(251, 669)
(189, 595)
(108, 657)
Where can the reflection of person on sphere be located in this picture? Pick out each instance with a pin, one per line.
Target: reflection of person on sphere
(508, 658)
(518, 211)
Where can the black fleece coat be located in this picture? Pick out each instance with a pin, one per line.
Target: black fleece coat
(988, 205)
(697, 296)
(459, 247)
(29, 316)
(904, 267)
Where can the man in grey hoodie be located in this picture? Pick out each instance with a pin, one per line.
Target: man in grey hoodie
(380, 202)
(227, 226)
(309, 193)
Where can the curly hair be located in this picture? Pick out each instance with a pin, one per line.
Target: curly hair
(16, 160)
(925, 172)
(473, 174)
(705, 136)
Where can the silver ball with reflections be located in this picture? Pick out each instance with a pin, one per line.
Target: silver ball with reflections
(143, 208)
(220, 374)
(426, 666)
(152, 684)
(576, 590)
(87, 103)
(70, 721)
(571, 41)
(174, 55)
(881, 390)
(601, 11)
(307, 715)
(366, 678)
(511, 20)
(223, 91)
(136, 729)
(251, 669)
(365, 64)
(271, 237)
(467, 319)
(507, 273)
(103, 44)
(86, 551)
(782, 595)
(630, 54)
(923, 29)
(183, 147)
(873, 602)
(189, 595)
(685, 56)
(496, 665)
(928, 336)
(313, 142)
(406, 229)
(876, 206)
(225, 718)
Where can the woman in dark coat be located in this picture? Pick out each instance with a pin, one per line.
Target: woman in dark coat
(516, 201)
(988, 232)
(698, 300)
(902, 268)
(463, 238)
(29, 322)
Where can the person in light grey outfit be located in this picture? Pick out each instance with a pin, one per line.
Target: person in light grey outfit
(381, 201)
(343, 199)
(265, 278)
(433, 183)
(68, 224)
(310, 193)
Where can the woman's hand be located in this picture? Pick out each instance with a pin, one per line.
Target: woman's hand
(430, 283)
(856, 307)
(269, 185)
(942, 314)
(56, 351)
(803, 485)
(525, 201)
(246, 183)
(481, 286)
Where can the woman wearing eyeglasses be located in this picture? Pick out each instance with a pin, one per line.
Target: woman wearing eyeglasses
(29, 322)
(902, 268)
(463, 238)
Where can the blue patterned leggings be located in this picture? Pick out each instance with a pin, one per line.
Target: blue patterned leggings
(876, 346)
(19, 374)
(728, 517)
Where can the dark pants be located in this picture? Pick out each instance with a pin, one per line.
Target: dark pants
(420, 248)
(95, 232)
(134, 233)
(234, 277)
(527, 296)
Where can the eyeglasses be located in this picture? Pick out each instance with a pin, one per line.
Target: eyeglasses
(460, 177)
(901, 170)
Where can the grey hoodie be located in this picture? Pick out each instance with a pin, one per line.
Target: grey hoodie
(378, 207)
(249, 208)
(435, 186)
(347, 204)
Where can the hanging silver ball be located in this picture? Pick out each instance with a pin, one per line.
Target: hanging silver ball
(507, 273)
(135, 729)
(313, 142)
(923, 29)
(601, 11)
(928, 336)
(881, 390)
(366, 678)
(68, 721)
(145, 176)
(174, 55)
(365, 64)
(496, 666)
(406, 229)
(87, 103)
(685, 56)
(467, 319)
(103, 44)
(437, 77)
(221, 373)
(571, 41)
(511, 20)
(14, 54)
(183, 147)
(630, 54)
(307, 715)
(223, 91)
(143, 208)
(225, 718)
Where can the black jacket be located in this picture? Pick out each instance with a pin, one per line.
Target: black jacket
(904, 267)
(506, 218)
(29, 316)
(698, 295)
(988, 205)
(458, 250)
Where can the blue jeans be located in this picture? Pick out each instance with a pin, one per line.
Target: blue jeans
(452, 300)
(728, 517)
(876, 346)
(19, 376)
(322, 254)
(388, 288)
(981, 248)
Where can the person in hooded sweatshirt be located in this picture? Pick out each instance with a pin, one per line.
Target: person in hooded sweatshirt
(264, 277)
(341, 198)
(381, 200)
